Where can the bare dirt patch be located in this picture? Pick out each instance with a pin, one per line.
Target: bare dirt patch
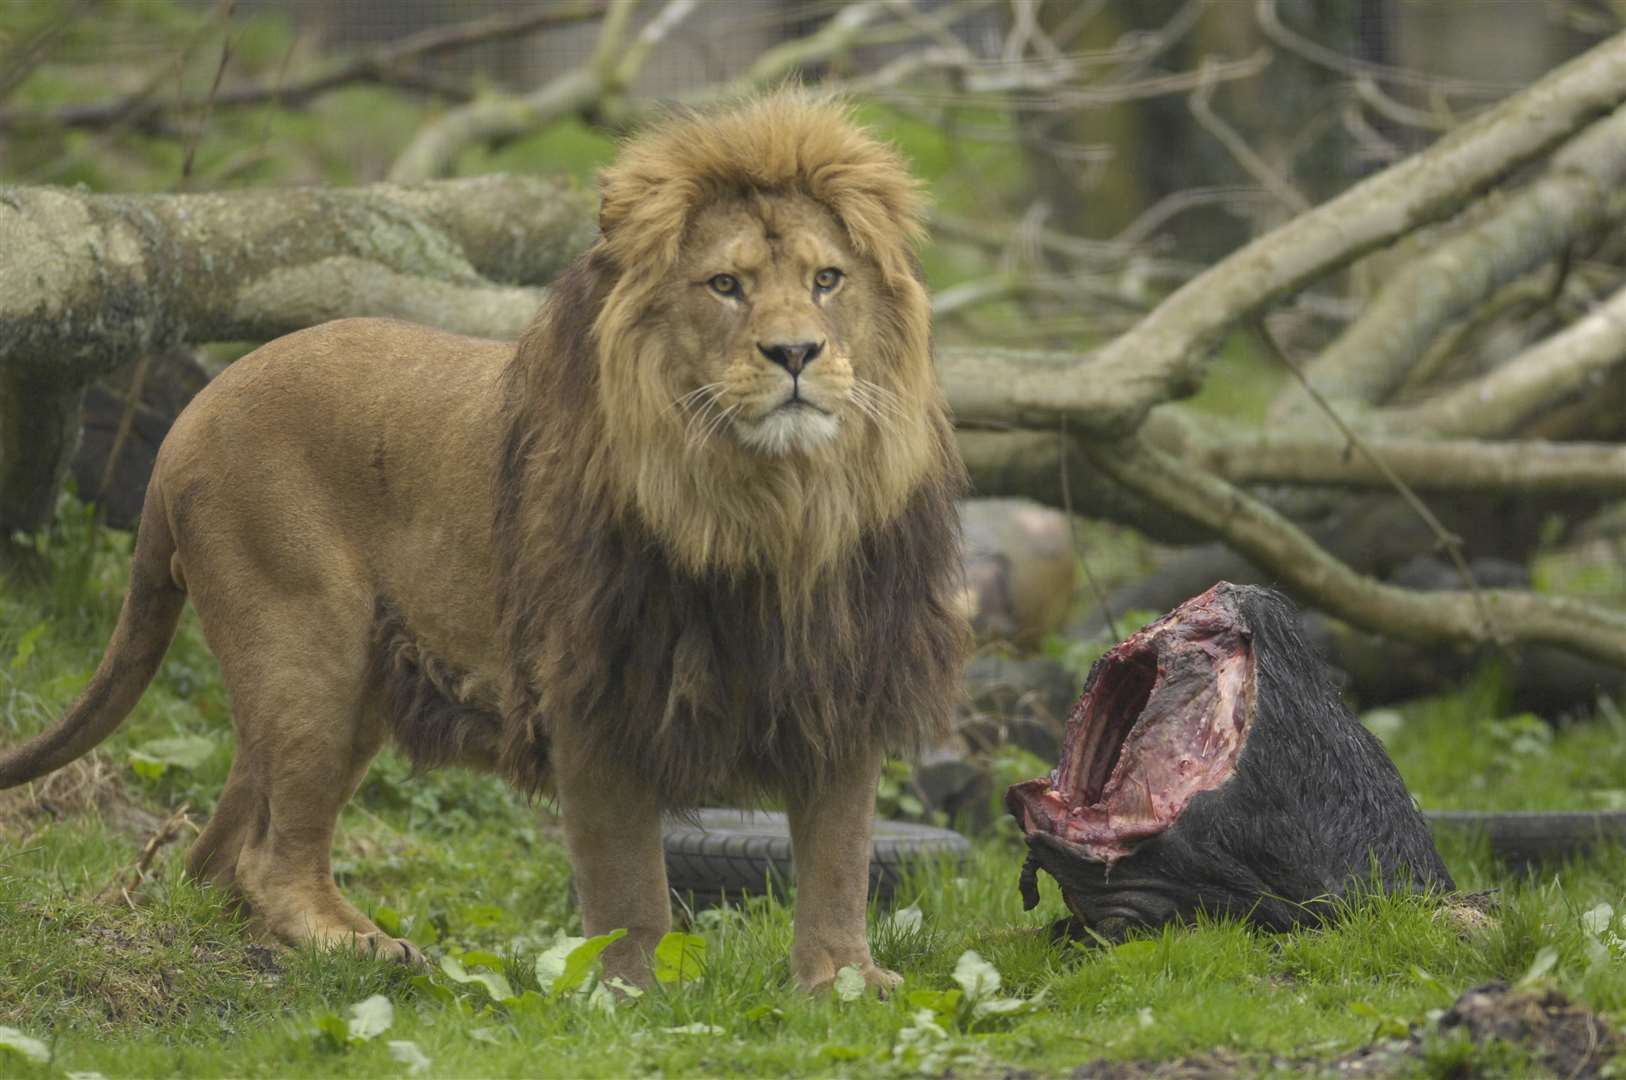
(1557, 1036)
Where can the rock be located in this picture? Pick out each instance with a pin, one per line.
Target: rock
(1019, 569)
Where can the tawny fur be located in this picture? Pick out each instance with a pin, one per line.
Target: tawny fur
(635, 561)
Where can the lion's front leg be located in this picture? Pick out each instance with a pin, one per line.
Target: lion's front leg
(830, 838)
(612, 829)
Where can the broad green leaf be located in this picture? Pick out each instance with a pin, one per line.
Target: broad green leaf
(25, 649)
(680, 957)
(425, 985)
(483, 916)
(1544, 962)
(146, 768)
(579, 962)
(627, 989)
(529, 1002)
(473, 958)
(762, 1014)
(496, 985)
(976, 976)
(151, 759)
(388, 920)
(370, 1018)
(1596, 920)
(907, 920)
(1135, 950)
(332, 1031)
(550, 965)
(1004, 1006)
(24, 1046)
(601, 999)
(849, 985)
(941, 1002)
(406, 1052)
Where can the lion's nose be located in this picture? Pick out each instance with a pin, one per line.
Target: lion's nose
(793, 357)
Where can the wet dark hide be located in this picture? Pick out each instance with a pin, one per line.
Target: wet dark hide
(1211, 766)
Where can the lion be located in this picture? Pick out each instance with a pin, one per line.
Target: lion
(693, 538)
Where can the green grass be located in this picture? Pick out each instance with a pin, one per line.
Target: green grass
(174, 985)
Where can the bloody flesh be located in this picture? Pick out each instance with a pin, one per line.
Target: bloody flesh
(1210, 765)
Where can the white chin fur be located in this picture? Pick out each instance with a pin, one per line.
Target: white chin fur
(784, 430)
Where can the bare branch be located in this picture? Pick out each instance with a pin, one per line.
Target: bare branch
(1163, 356)
(1531, 226)
(1270, 22)
(1202, 107)
(1282, 549)
(386, 63)
(19, 63)
(1500, 402)
(614, 64)
(1441, 465)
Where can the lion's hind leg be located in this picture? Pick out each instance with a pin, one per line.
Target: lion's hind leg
(307, 727)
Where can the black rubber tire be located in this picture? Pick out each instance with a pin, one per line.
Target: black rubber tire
(723, 854)
(1530, 837)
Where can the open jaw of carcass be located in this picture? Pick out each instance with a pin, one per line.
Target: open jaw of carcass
(1164, 716)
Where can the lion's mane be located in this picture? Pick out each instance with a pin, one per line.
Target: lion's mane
(724, 621)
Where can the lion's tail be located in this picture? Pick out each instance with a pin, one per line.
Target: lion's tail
(152, 608)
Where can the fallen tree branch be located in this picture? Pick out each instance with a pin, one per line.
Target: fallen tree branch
(614, 64)
(1297, 562)
(1465, 465)
(1499, 402)
(90, 281)
(1532, 226)
(1163, 356)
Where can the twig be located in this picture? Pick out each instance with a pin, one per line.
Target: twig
(1270, 22)
(1072, 531)
(1447, 539)
(128, 882)
(132, 401)
(19, 63)
(209, 102)
(1201, 105)
(376, 65)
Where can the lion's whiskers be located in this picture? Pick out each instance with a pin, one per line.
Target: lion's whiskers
(688, 399)
(878, 403)
(717, 418)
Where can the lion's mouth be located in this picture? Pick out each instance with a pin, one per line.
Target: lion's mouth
(794, 424)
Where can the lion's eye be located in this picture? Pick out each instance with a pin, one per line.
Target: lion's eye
(725, 285)
(827, 279)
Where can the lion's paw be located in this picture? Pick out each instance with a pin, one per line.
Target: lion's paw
(385, 947)
(819, 978)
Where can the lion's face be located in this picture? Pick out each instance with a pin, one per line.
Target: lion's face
(772, 318)
(762, 355)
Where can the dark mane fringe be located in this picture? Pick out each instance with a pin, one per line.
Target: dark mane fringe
(696, 680)
(433, 713)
